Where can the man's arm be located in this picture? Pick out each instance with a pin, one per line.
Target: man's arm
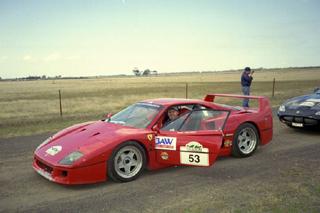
(247, 78)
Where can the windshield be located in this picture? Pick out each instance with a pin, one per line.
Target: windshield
(137, 115)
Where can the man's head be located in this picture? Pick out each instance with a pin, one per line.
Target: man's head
(173, 113)
(247, 70)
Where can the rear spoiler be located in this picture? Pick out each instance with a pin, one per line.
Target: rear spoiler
(263, 101)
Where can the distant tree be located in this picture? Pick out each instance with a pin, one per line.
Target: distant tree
(32, 78)
(146, 72)
(43, 77)
(136, 72)
(154, 72)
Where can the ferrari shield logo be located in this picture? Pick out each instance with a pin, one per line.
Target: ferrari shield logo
(149, 136)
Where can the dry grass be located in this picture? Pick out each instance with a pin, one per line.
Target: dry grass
(30, 107)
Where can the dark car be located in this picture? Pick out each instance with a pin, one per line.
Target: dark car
(302, 111)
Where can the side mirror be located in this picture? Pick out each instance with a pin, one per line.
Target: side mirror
(316, 90)
(108, 116)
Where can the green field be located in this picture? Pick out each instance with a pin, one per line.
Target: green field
(32, 107)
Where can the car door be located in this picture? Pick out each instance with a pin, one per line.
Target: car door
(194, 139)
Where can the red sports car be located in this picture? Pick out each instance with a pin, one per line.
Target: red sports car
(138, 137)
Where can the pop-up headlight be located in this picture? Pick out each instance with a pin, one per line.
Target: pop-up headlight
(71, 158)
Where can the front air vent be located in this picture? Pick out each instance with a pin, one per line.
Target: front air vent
(98, 133)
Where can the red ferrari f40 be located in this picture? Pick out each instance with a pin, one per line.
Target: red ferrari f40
(121, 146)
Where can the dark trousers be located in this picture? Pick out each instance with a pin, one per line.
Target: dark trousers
(245, 91)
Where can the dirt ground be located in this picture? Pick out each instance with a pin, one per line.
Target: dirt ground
(283, 176)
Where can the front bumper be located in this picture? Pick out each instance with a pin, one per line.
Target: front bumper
(298, 121)
(67, 175)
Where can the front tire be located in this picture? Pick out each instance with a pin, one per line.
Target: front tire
(127, 162)
(245, 141)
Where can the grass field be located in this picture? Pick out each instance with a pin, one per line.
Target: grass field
(32, 107)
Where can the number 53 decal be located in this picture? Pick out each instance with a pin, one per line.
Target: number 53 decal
(194, 158)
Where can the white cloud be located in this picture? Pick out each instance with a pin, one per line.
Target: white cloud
(55, 56)
(71, 57)
(29, 58)
(52, 57)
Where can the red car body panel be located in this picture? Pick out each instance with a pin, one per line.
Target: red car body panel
(210, 140)
(97, 141)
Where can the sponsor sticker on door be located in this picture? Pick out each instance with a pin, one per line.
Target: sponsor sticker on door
(168, 143)
(193, 153)
(164, 155)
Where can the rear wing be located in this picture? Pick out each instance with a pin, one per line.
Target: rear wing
(262, 100)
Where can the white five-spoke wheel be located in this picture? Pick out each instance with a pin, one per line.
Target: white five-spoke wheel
(127, 162)
(245, 140)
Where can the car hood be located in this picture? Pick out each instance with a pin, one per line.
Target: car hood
(306, 102)
(86, 139)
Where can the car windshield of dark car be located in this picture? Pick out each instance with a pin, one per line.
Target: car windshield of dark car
(137, 115)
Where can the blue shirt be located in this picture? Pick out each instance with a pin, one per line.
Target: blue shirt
(246, 79)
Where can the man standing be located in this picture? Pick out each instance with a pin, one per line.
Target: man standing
(246, 79)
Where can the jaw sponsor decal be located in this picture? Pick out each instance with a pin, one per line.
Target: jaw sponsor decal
(168, 143)
(54, 150)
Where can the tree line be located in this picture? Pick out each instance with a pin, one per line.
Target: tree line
(145, 72)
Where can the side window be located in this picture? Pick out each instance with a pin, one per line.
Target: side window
(205, 119)
(170, 116)
(193, 122)
(176, 124)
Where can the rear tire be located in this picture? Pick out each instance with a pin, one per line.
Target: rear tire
(127, 162)
(245, 141)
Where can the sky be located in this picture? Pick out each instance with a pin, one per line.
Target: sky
(112, 37)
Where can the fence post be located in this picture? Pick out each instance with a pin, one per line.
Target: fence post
(60, 103)
(274, 83)
(186, 90)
